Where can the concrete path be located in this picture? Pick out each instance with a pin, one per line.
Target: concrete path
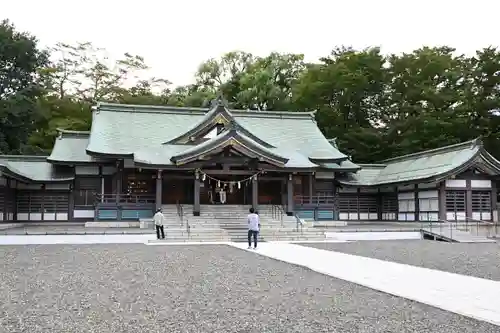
(74, 239)
(465, 295)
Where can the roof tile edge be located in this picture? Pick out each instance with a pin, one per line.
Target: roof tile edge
(471, 144)
(136, 108)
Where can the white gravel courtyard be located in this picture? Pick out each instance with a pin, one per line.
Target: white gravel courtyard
(203, 288)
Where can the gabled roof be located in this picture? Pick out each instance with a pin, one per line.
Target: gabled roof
(234, 139)
(121, 130)
(426, 166)
(32, 169)
(70, 148)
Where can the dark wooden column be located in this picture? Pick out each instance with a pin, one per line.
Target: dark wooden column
(311, 178)
(255, 193)
(494, 201)
(442, 201)
(468, 199)
(159, 189)
(417, 204)
(196, 206)
(289, 194)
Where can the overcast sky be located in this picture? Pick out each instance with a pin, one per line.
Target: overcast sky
(176, 36)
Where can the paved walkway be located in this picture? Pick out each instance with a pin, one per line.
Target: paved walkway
(469, 296)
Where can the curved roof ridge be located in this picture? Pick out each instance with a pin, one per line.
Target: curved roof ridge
(466, 144)
(65, 133)
(223, 138)
(140, 108)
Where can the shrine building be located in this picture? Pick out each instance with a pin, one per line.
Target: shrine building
(137, 158)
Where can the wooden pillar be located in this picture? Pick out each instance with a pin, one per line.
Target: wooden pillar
(119, 179)
(42, 214)
(311, 188)
(358, 194)
(417, 204)
(379, 205)
(71, 202)
(102, 183)
(468, 199)
(159, 189)
(6, 198)
(442, 201)
(494, 212)
(255, 193)
(289, 193)
(196, 206)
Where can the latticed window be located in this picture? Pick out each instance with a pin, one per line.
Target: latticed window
(455, 201)
(348, 203)
(56, 202)
(481, 201)
(367, 204)
(390, 203)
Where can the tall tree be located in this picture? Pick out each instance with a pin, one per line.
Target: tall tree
(426, 86)
(20, 63)
(347, 89)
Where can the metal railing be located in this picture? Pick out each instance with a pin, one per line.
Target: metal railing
(477, 227)
(473, 226)
(277, 213)
(299, 225)
(315, 199)
(180, 212)
(125, 198)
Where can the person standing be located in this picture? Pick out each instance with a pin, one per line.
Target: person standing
(159, 218)
(253, 228)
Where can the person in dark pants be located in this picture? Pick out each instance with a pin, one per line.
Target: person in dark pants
(253, 228)
(159, 218)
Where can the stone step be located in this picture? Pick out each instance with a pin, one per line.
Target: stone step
(243, 239)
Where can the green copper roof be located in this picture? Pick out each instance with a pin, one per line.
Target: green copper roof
(70, 147)
(431, 165)
(131, 129)
(33, 168)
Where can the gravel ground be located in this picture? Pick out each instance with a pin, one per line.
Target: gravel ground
(138, 288)
(476, 259)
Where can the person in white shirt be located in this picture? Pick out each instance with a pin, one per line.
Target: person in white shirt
(253, 228)
(159, 218)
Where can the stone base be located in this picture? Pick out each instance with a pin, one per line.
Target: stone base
(329, 223)
(112, 224)
(146, 224)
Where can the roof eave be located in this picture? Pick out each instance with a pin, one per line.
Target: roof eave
(229, 139)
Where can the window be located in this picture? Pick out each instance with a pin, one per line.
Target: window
(455, 201)
(481, 201)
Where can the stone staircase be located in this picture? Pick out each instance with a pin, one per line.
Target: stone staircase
(229, 223)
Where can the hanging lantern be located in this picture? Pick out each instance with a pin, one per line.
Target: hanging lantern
(203, 177)
(218, 183)
(239, 185)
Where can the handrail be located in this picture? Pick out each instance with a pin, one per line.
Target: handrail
(125, 198)
(314, 199)
(464, 225)
(277, 212)
(298, 222)
(180, 212)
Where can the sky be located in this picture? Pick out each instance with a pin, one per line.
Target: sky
(174, 36)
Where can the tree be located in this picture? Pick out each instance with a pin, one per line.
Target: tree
(20, 88)
(425, 89)
(347, 89)
(267, 83)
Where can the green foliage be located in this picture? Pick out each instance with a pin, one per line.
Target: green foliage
(376, 106)
(20, 61)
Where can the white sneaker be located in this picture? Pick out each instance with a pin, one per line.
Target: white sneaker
(249, 248)
(255, 248)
